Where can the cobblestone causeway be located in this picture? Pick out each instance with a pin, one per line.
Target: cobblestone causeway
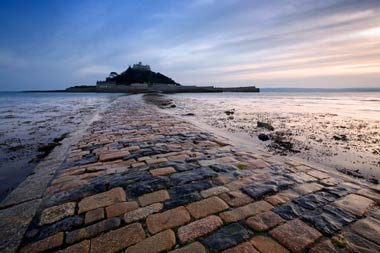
(142, 181)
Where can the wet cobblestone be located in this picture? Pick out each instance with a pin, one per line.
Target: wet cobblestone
(141, 180)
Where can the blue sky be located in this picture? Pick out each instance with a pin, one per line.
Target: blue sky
(55, 44)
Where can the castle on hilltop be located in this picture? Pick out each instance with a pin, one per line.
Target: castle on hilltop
(141, 79)
(140, 66)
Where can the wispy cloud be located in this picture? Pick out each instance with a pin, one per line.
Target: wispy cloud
(226, 42)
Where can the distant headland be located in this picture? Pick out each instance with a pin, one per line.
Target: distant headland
(141, 79)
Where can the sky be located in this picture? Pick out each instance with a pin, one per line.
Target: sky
(56, 44)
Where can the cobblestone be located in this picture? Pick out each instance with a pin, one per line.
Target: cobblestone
(140, 180)
(267, 245)
(118, 239)
(206, 207)
(168, 219)
(158, 243)
(226, 237)
(199, 228)
(295, 235)
(245, 211)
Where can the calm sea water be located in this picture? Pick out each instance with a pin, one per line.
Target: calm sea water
(30, 121)
(313, 121)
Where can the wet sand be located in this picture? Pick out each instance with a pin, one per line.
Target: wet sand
(336, 141)
(34, 124)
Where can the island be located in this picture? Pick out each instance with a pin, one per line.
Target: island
(139, 78)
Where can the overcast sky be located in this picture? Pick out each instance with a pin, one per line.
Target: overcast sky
(55, 44)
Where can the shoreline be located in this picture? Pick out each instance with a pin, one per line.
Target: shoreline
(354, 156)
(32, 125)
(134, 152)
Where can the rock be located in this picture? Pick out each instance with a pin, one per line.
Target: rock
(173, 106)
(265, 125)
(229, 112)
(226, 237)
(263, 137)
(340, 137)
(189, 114)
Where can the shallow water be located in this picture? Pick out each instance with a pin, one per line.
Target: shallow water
(313, 122)
(32, 123)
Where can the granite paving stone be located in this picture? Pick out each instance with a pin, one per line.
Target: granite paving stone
(282, 197)
(245, 211)
(236, 198)
(214, 191)
(194, 247)
(267, 245)
(182, 200)
(81, 247)
(264, 221)
(193, 175)
(142, 212)
(48, 243)
(94, 215)
(102, 199)
(368, 228)
(92, 230)
(244, 247)
(226, 237)
(158, 243)
(121, 208)
(56, 213)
(199, 228)
(351, 242)
(355, 204)
(118, 239)
(154, 197)
(206, 207)
(301, 235)
(168, 219)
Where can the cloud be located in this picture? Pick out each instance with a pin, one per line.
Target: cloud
(95, 69)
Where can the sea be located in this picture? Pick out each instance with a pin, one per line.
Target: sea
(338, 130)
(32, 124)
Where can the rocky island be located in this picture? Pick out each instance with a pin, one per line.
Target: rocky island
(141, 79)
